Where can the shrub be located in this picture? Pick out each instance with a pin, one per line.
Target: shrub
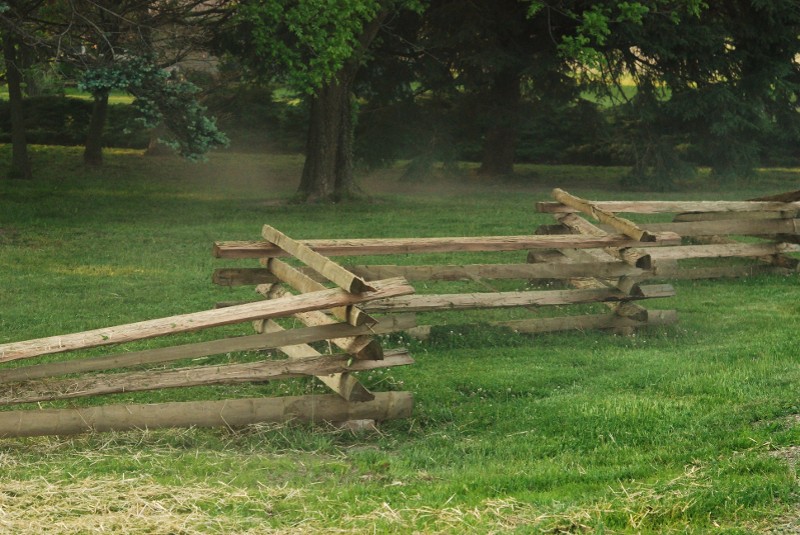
(57, 120)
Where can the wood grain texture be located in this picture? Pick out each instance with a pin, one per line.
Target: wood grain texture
(304, 284)
(361, 347)
(319, 263)
(622, 225)
(255, 276)
(230, 413)
(344, 384)
(251, 372)
(389, 246)
(726, 250)
(632, 256)
(387, 324)
(728, 227)
(788, 196)
(422, 303)
(654, 207)
(199, 320)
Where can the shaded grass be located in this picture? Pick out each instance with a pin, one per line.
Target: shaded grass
(687, 429)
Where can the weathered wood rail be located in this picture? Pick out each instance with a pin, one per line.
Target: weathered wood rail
(762, 234)
(330, 313)
(275, 272)
(396, 246)
(230, 413)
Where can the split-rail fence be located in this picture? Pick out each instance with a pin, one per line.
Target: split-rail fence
(612, 261)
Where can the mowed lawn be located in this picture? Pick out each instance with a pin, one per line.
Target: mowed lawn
(693, 428)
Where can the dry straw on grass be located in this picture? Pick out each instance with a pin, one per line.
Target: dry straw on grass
(90, 504)
(125, 506)
(663, 507)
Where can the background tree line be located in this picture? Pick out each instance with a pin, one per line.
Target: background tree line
(661, 86)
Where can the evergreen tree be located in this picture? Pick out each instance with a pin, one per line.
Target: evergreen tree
(719, 77)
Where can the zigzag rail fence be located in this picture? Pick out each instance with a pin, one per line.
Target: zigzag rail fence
(345, 307)
(719, 238)
(487, 276)
(57, 372)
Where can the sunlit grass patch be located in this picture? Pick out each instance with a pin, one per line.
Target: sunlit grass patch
(98, 271)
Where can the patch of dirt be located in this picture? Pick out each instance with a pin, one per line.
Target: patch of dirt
(790, 454)
(787, 525)
(789, 421)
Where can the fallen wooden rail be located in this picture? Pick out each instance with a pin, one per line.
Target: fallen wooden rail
(229, 413)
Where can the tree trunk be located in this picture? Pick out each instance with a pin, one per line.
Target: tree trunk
(328, 170)
(27, 58)
(500, 143)
(93, 151)
(20, 165)
(345, 187)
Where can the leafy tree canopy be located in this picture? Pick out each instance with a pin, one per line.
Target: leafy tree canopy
(302, 43)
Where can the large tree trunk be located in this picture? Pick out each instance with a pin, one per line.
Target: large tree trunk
(328, 170)
(93, 151)
(500, 144)
(20, 165)
(345, 186)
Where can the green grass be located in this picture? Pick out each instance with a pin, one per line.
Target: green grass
(688, 429)
(116, 97)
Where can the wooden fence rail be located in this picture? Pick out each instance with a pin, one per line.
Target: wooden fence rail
(230, 413)
(275, 272)
(330, 313)
(395, 246)
(711, 230)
